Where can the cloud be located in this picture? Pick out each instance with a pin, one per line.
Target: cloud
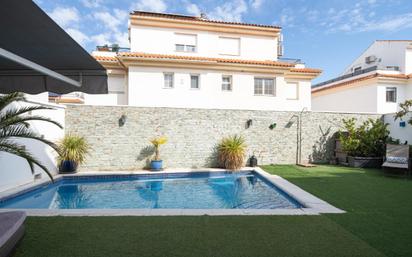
(230, 11)
(112, 21)
(256, 4)
(101, 39)
(193, 9)
(92, 3)
(150, 5)
(77, 35)
(65, 16)
(400, 22)
(115, 28)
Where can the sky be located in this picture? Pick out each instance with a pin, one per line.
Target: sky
(327, 35)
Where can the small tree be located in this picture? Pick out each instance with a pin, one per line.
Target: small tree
(367, 140)
(405, 109)
(157, 142)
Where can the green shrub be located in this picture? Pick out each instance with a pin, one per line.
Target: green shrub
(231, 152)
(367, 140)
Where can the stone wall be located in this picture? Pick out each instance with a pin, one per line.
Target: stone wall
(193, 134)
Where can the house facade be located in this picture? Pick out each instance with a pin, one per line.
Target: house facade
(376, 82)
(193, 62)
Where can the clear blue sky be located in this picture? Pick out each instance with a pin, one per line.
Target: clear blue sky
(324, 34)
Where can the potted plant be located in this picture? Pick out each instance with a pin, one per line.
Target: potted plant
(231, 152)
(157, 164)
(365, 145)
(73, 150)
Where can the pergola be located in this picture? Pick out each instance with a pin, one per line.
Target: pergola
(36, 55)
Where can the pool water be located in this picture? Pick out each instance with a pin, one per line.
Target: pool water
(203, 190)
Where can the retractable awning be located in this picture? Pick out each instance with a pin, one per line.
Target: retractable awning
(36, 55)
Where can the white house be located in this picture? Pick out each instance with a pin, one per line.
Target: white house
(376, 82)
(193, 62)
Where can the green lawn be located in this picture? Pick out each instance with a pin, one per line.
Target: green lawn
(378, 223)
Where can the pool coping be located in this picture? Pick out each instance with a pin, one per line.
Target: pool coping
(312, 205)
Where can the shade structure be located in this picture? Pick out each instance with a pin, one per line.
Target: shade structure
(28, 33)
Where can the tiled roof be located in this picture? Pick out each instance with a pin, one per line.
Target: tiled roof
(105, 58)
(352, 81)
(198, 58)
(305, 70)
(198, 19)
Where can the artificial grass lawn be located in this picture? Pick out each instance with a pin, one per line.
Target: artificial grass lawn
(378, 223)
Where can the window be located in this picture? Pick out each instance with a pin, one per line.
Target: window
(292, 91)
(265, 86)
(357, 69)
(194, 81)
(391, 94)
(186, 43)
(229, 46)
(226, 83)
(168, 80)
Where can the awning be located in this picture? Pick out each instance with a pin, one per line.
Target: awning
(36, 55)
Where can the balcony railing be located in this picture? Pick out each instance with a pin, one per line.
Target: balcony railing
(355, 73)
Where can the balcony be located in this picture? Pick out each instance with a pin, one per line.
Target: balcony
(72, 98)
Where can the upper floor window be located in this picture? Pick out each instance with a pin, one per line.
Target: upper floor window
(168, 80)
(194, 81)
(186, 43)
(391, 94)
(229, 46)
(292, 91)
(226, 83)
(264, 86)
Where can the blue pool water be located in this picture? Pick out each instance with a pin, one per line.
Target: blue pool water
(203, 190)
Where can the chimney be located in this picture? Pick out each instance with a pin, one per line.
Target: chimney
(203, 16)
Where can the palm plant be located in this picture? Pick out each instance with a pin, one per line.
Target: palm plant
(157, 142)
(231, 152)
(14, 124)
(73, 148)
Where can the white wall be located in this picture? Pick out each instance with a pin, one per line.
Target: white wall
(397, 132)
(366, 96)
(408, 59)
(351, 99)
(391, 53)
(162, 41)
(117, 87)
(146, 90)
(385, 107)
(15, 171)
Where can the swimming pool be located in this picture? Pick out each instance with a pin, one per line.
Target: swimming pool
(194, 190)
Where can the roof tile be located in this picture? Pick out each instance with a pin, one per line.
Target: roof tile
(198, 58)
(198, 19)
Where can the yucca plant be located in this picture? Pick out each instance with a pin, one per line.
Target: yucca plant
(157, 164)
(73, 149)
(14, 124)
(231, 152)
(157, 142)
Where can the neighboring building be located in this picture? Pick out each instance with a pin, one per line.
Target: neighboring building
(376, 82)
(192, 62)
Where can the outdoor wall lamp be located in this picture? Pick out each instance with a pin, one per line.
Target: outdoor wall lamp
(273, 125)
(122, 120)
(249, 123)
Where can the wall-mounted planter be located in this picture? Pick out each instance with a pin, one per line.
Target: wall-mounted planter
(365, 162)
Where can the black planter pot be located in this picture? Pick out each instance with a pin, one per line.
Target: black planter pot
(68, 167)
(365, 162)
